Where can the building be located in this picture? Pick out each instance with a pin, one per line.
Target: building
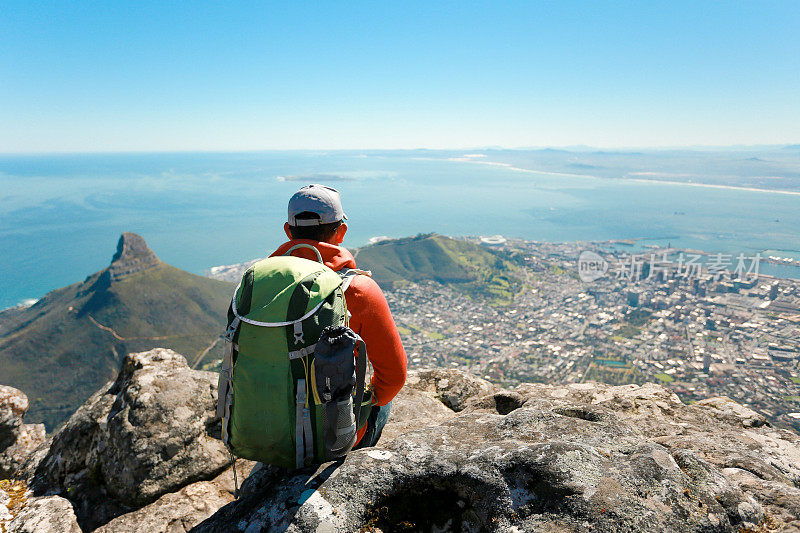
(633, 298)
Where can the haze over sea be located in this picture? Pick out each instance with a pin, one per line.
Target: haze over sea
(61, 215)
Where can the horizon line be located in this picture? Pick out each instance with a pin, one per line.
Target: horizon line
(566, 148)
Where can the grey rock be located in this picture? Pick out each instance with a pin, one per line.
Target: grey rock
(17, 440)
(48, 514)
(412, 408)
(582, 457)
(13, 406)
(458, 453)
(14, 458)
(181, 511)
(452, 387)
(780, 501)
(176, 511)
(150, 432)
(728, 410)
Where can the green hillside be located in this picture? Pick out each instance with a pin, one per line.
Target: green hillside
(469, 267)
(68, 344)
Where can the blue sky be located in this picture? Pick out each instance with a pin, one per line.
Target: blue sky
(114, 76)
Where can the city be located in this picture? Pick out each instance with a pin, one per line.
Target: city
(701, 332)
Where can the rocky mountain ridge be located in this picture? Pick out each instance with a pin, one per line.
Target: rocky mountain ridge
(132, 256)
(458, 454)
(72, 341)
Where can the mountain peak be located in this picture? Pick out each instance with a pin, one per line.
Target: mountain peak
(132, 255)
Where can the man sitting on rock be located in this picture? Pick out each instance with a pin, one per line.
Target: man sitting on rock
(316, 218)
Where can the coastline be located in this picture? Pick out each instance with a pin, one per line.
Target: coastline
(509, 166)
(714, 186)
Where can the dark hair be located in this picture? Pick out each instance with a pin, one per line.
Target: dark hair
(318, 232)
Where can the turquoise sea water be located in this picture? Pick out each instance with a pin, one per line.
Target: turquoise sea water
(61, 215)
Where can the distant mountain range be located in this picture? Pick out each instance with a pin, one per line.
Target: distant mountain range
(64, 347)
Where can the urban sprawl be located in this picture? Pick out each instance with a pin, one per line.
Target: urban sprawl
(594, 311)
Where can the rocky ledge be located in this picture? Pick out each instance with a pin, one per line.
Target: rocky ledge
(458, 454)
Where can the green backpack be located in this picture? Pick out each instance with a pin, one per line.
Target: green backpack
(291, 391)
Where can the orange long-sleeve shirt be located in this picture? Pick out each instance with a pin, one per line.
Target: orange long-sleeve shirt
(371, 319)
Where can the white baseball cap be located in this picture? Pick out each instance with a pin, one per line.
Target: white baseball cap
(319, 199)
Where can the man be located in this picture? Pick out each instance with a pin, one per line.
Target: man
(316, 218)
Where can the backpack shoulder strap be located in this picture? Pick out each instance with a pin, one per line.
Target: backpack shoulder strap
(361, 371)
(303, 245)
(347, 275)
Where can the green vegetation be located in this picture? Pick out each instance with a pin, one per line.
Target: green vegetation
(72, 341)
(638, 317)
(629, 331)
(619, 373)
(410, 329)
(560, 271)
(465, 266)
(795, 380)
(664, 378)
(635, 320)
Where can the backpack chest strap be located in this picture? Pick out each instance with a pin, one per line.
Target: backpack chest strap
(298, 332)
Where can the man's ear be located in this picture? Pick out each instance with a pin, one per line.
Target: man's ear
(338, 235)
(286, 227)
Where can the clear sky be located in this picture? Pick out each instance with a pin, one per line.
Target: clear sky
(99, 76)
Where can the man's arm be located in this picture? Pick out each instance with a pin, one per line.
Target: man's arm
(372, 320)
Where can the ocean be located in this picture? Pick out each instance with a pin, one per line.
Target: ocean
(61, 215)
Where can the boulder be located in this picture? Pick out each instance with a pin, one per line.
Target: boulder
(48, 514)
(17, 440)
(149, 433)
(181, 511)
(411, 409)
(780, 501)
(13, 406)
(14, 458)
(581, 457)
(452, 387)
(728, 410)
